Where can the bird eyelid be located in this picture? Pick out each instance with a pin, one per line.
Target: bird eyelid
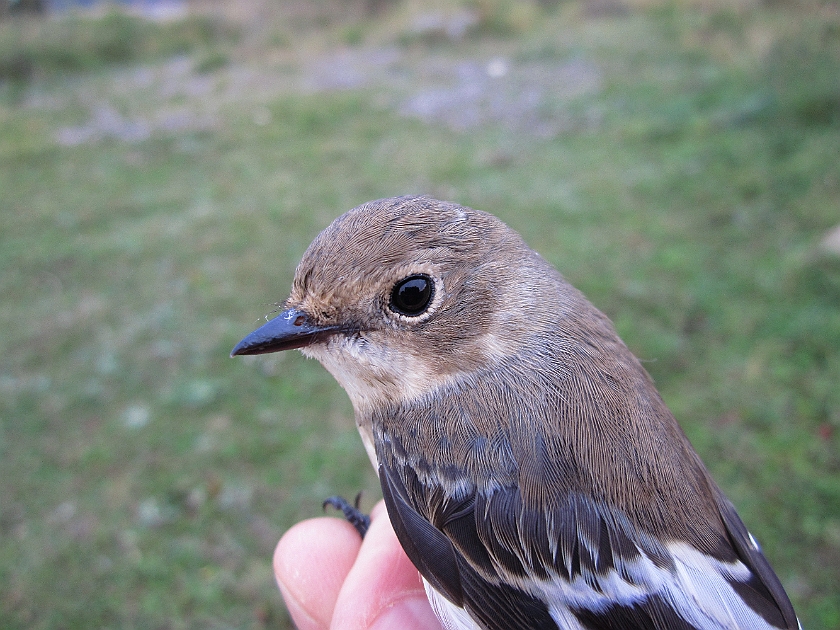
(404, 276)
(413, 295)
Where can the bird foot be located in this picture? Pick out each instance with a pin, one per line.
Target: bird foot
(352, 513)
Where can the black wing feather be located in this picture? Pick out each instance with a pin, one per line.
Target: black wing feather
(651, 614)
(425, 545)
(495, 605)
(764, 592)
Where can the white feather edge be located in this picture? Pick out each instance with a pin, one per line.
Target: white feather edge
(697, 589)
(451, 617)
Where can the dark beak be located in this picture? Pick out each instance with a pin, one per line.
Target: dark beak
(290, 329)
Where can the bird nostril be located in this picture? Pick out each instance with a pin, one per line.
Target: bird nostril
(299, 320)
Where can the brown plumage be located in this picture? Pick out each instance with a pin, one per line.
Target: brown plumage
(530, 468)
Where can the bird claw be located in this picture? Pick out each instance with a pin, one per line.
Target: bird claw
(352, 513)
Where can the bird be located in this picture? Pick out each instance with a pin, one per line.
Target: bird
(530, 468)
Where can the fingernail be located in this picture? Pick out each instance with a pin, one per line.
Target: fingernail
(406, 614)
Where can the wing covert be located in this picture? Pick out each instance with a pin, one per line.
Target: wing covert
(458, 572)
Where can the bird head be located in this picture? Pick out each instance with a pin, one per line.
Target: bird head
(399, 296)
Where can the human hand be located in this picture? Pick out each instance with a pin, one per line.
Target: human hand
(331, 579)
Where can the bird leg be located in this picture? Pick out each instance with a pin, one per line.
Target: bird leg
(352, 513)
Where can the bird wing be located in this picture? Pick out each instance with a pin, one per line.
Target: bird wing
(763, 591)
(580, 566)
(454, 571)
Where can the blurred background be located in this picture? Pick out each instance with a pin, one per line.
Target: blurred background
(163, 166)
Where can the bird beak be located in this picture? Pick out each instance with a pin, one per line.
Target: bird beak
(290, 329)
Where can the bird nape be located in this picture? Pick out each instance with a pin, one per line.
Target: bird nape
(530, 469)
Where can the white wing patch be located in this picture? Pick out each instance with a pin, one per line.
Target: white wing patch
(697, 590)
(451, 617)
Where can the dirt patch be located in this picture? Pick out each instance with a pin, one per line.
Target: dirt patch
(466, 94)
(463, 94)
(529, 98)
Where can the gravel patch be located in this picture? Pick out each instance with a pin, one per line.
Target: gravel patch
(535, 98)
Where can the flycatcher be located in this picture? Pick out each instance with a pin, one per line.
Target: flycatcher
(531, 471)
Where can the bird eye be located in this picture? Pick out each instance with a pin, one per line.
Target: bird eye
(411, 296)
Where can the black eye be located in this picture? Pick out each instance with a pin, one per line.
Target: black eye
(411, 296)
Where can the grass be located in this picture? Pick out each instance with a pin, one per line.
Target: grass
(32, 48)
(145, 477)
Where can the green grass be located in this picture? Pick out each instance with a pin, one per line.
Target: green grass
(145, 476)
(31, 48)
